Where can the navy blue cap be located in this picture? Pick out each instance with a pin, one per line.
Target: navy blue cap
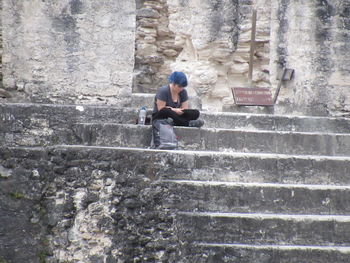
(178, 78)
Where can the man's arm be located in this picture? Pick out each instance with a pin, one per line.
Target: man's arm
(184, 105)
(160, 104)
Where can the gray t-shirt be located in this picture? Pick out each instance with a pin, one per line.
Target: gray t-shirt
(164, 94)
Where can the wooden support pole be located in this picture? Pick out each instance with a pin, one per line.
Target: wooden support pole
(252, 49)
(279, 85)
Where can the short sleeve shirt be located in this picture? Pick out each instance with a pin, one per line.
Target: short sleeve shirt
(164, 94)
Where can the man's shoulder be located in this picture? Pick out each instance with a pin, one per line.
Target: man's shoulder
(184, 91)
(162, 93)
(183, 94)
(163, 89)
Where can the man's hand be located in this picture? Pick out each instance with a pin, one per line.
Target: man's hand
(177, 110)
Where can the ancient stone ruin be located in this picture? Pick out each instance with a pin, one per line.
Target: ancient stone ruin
(78, 179)
(102, 52)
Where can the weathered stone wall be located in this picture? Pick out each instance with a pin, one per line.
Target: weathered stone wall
(155, 46)
(313, 38)
(237, 74)
(210, 41)
(209, 33)
(22, 231)
(69, 51)
(79, 51)
(58, 206)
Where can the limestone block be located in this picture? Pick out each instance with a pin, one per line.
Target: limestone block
(203, 78)
(154, 5)
(239, 68)
(152, 59)
(265, 68)
(262, 56)
(167, 44)
(226, 29)
(263, 38)
(150, 40)
(148, 12)
(120, 78)
(259, 76)
(163, 31)
(145, 31)
(67, 48)
(245, 26)
(148, 22)
(221, 91)
(221, 54)
(242, 54)
(245, 36)
(145, 80)
(144, 49)
(170, 52)
(239, 59)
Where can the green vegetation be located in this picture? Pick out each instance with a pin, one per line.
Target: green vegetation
(42, 211)
(17, 195)
(2, 260)
(42, 256)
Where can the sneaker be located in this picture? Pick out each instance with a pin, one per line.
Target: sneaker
(196, 123)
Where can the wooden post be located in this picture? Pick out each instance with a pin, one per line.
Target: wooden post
(252, 47)
(279, 85)
(286, 74)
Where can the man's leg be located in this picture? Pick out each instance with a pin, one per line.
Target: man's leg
(190, 114)
(168, 113)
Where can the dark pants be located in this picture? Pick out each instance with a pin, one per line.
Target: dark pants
(179, 120)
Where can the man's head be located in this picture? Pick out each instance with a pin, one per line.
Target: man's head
(178, 78)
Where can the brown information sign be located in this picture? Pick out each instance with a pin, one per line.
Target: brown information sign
(252, 96)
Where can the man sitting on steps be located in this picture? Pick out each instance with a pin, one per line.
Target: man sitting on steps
(171, 101)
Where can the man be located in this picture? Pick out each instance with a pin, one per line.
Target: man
(172, 102)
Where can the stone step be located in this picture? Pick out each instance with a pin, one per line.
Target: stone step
(62, 174)
(264, 229)
(70, 182)
(61, 114)
(243, 253)
(110, 134)
(42, 119)
(26, 124)
(203, 196)
(218, 166)
(276, 122)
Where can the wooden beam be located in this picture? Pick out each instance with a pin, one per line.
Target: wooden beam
(252, 49)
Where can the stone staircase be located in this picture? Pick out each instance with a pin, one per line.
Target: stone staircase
(244, 188)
